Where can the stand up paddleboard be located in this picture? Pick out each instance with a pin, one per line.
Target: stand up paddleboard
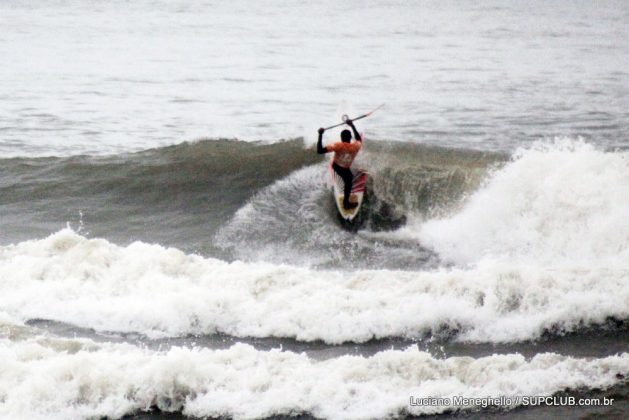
(359, 185)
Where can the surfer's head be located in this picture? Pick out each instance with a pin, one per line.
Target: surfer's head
(346, 136)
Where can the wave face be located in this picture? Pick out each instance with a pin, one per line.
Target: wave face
(264, 200)
(176, 195)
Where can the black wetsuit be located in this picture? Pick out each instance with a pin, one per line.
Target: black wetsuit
(348, 179)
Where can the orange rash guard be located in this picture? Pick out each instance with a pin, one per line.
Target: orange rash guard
(344, 153)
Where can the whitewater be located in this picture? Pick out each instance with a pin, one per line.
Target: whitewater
(169, 246)
(81, 379)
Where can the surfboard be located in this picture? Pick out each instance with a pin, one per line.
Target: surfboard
(359, 185)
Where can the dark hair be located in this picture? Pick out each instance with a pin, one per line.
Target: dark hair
(346, 136)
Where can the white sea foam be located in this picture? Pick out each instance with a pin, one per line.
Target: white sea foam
(158, 291)
(48, 378)
(558, 204)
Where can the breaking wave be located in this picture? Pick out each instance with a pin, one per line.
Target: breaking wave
(160, 291)
(57, 378)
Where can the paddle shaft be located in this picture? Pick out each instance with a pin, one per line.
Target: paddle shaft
(354, 119)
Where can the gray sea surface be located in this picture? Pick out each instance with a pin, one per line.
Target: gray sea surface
(108, 77)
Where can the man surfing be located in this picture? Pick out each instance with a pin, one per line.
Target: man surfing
(344, 153)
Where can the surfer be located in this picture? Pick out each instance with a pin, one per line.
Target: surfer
(344, 153)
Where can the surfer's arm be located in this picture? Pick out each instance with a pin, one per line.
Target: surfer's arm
(356, 133)
(320, 149)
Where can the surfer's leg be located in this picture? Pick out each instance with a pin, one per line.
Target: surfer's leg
(348, 179)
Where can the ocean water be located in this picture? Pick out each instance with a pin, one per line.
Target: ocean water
(109, 77)
(169, 246)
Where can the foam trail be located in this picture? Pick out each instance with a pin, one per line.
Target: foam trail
(46, 378)
(294, 221)
(163, 292)
(284, 216)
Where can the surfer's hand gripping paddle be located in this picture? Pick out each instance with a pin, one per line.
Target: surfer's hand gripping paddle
(346, 118)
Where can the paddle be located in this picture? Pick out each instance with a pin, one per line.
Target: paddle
(345, 117)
